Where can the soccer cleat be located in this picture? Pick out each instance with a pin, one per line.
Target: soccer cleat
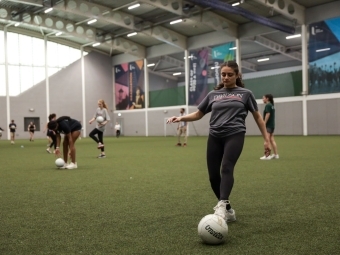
(184, 145)
(100, 145)
(101, 156)
(72, 166)
(275, 156)
(266, 157)
(48, 150)
(178, 144)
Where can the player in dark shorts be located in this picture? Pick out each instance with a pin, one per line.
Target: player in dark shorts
(12, 127)
(71, 129)
(31, 129)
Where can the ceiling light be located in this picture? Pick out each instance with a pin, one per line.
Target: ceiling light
(48, 10)
(262, 59)
(91, 21)
(174, 74)
(293, 36)
(152, 64)
(131, 34)
(234, 4)
(176, 21)
(133, 6)
(16, 24)
(325, 49)
(59, 33)
(96, 44)
(233, 48)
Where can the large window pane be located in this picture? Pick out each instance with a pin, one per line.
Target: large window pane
(63, 55)
(26, 77)
(38, 52)
(13, 48)
(14, 80)
(2, 81)
(38, 74)
(52, 54)
(2, 48)
(25, 50)
(52, 71)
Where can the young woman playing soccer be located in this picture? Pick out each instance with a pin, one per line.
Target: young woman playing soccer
(100, 127)
(31, 129)
(269, 119)
(229, 104)
(71, 130)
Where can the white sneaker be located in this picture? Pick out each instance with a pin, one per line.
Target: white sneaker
(231, 215)
(63, 167)
(266, 157)
(221, 210)
(72, 166)
(275, 156)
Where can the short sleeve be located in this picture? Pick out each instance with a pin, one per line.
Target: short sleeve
(251, 103)
(267, 108)
(205, 105)
(107, 116)
(64, 127)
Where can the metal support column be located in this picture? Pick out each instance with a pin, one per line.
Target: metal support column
(304, 78)
(146, 96)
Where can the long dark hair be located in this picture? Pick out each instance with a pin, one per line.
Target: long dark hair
(270, 98)
(232, 64)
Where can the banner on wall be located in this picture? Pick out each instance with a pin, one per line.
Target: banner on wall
(324, 57)
(198, 76)
(221, 54)
(129, 85)
(136, 85)
(122, 86)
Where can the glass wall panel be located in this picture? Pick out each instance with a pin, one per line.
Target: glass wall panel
(2, 81)
(25, 50)
(2, 47)
(14, 80)
(13, 48)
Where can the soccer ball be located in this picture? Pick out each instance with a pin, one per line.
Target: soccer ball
(213, 229)
(59, 162)
(100, 119)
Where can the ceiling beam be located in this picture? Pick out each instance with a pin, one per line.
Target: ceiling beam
(121, 19)
(287, 8)
(207, 18)
(248, 65)
(38, 3)
(86, 33)
(175, 6)
(168, 36)
(173, 61)
(277, 47)
(216, 22)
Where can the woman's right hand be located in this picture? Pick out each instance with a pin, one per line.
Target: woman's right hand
(173, 119)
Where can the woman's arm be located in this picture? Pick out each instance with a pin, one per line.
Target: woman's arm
(262, 126)
(266, 117)
(190, 117)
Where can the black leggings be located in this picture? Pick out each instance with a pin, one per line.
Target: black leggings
(222, 155)
(93, 134)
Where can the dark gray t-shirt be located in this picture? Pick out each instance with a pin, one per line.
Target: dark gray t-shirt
(229, 109)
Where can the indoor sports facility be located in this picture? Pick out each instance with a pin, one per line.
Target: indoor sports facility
(148, 59)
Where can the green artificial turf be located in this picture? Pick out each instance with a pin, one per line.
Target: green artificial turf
(148, 196)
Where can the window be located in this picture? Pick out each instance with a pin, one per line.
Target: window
(35, 120)
(26, 61)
